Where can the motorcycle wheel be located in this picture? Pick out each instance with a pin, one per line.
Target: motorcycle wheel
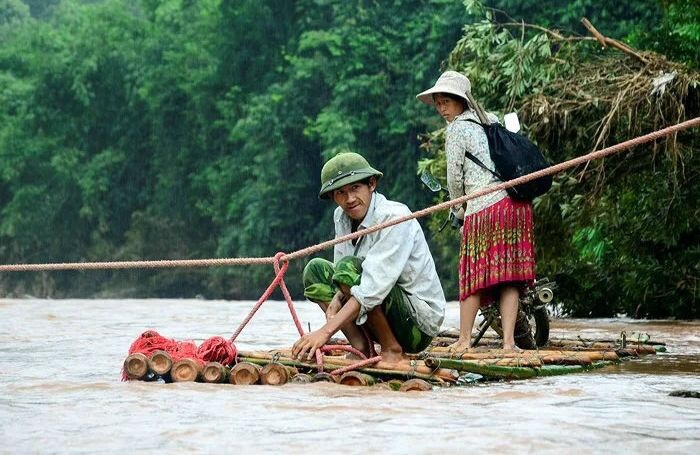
(530, 332)
(541, 320)
(524, 338)
(523, 335)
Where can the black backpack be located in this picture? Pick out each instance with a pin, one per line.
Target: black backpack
(514, 156)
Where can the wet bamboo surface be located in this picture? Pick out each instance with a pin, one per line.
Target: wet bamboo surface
(439, 365)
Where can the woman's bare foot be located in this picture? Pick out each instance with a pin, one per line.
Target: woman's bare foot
(511, 348)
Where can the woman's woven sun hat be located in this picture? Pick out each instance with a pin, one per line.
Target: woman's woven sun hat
(451, 82)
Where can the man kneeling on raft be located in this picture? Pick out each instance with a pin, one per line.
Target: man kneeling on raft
(385, 281)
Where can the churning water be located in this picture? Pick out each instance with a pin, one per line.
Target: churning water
(60, 392)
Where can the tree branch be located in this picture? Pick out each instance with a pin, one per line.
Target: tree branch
(605, 41)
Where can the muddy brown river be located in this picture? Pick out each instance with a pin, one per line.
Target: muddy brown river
(60, 392)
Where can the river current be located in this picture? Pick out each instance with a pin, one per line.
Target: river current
(60, 392)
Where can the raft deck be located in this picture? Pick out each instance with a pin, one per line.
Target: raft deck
(437, 366)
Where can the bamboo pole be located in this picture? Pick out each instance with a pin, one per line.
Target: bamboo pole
(355, 378)
(556, 370)
(490, 371)
(136, 366)
(627, 352)
(545, 356)
(445, 375)
(185, 370)
(415, 385)
(160, 363)
(214, 372)
(412, 368)
(244, 373)
(642, 349)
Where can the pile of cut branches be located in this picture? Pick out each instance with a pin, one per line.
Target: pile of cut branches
(617, 233)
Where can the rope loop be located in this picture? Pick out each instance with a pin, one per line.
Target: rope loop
(276, 262)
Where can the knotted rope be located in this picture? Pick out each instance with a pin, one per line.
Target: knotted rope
(279, 281)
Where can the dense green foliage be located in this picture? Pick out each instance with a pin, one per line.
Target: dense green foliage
(171, 129)
(619, 235)
(153, 129)
(614, 19)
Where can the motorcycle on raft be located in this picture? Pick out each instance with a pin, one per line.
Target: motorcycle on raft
(532, 323)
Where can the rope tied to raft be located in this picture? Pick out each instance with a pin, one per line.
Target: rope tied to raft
(280, 270)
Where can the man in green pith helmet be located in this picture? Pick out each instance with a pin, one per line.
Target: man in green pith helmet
(385, 281)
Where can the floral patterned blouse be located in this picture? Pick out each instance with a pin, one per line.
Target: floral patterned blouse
(463, 175)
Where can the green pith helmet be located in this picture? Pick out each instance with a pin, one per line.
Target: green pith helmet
(342, 169)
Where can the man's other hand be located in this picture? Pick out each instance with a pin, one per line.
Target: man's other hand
(308, 344)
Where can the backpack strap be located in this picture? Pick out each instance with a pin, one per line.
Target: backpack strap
(476, 160)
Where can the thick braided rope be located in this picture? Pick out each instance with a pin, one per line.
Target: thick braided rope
(324, 245)
(158, 264)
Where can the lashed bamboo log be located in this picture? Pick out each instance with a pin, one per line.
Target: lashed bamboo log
(642, 349)
(355, 378)
(325, 377)
(136, 366)
(274, 374)
(545, 356)
(627, 352)
(490, 371)
(415, 385)
(160, 363)
(214, 372)
(300, 378)
(244, 373)
(185, 370)
(556, 370)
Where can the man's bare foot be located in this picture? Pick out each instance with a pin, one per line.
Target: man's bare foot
(511, 348)
(393, 357)
(353, 356)
(461, 346)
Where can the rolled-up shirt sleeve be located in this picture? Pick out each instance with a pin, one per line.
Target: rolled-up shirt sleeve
(382, 267)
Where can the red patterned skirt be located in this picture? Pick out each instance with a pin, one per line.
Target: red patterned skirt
(497, 247)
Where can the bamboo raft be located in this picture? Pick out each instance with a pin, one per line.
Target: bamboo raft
(437, 366)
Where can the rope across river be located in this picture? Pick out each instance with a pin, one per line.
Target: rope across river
(220, 350)
(221, 262)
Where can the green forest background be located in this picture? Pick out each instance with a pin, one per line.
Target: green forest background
(181, 129)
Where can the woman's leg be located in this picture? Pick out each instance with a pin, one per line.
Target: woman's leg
(509, 312)
(467, 314)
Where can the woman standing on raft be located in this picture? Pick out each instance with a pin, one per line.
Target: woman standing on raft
(497, 254)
